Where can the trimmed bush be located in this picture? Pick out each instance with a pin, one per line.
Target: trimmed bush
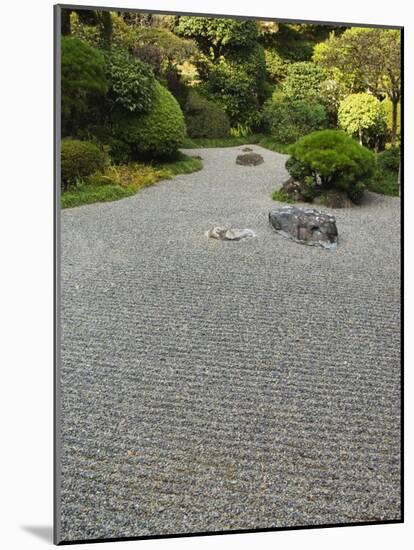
(335, 160)
(204, 118)
(131, 81)
(287, 120)
(80, 159)
(157, 134)
(84, 84)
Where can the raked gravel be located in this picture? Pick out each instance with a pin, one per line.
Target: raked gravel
(211, 385)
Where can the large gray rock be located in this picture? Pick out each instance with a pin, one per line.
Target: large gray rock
(229, 234)
(305, 226)
(249, 159)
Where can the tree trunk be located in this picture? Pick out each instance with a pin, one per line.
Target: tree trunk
(360, 136)
(65, 22)
(394, 123)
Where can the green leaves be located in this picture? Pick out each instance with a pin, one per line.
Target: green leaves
(363, 59)
(361, 115)
(131, 82)
(158, 133)
(216, 35)
(289, 120)
(83, 82)
(303, 81)
(333, 158)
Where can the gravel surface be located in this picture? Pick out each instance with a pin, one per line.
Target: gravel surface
(210, 385)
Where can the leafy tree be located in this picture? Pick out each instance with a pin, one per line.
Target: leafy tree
(84, 83)
(303, 81)
(366, 59)
(363, 115)
(215, 35)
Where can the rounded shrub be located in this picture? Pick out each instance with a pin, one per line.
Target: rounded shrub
(335, 160)
(156, 134)
(204, 118)
(131, 82)
(80, 159)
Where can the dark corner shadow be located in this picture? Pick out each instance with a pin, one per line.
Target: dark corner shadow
(44, 532)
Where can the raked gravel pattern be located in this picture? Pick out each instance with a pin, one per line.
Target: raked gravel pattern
(209, 385)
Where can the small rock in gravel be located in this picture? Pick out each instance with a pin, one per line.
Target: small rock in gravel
(249, 159)
(247, 149)
(305, 226)
(230, 234)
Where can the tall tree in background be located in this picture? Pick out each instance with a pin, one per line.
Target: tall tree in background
(366, 59)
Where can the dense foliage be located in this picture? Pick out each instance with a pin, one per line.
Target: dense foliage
(84, 84)
(156, 134)
(215, 36)
(363, 115)
(276, 66)
(238, 83)
(288, 120)
(303, 81)
(131, 82)
(204, 118)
